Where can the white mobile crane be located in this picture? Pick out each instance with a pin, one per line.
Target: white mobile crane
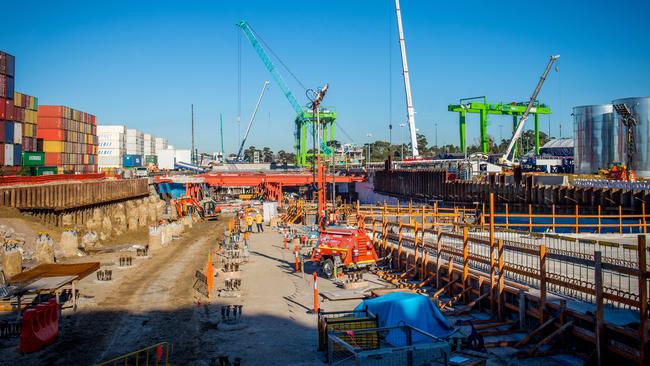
(239, 157)
(505, 160)
(407, 83)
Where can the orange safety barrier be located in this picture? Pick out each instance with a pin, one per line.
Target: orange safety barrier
(40, 326)
(315, 293)
(209, 274)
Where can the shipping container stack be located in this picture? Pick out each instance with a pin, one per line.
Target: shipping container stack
(134, 148)
(112, 146)
(161, 143)
(7, 131)
(150, 149)
(69, 138)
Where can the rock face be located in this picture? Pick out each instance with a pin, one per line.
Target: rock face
(12, 261)
(69, 244)
(90, 241)
(44, 251)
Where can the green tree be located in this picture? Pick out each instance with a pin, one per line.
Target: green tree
(267, 155)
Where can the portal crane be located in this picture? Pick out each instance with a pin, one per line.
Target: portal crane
(407, 83)
(504, 160)
(250, 123)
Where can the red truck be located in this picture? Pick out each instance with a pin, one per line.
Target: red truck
(348, 249)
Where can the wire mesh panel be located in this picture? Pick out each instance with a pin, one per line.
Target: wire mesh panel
(337, 321)
(403, 345)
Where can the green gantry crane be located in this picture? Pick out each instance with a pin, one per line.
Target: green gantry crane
(304, 116)
(516, 110)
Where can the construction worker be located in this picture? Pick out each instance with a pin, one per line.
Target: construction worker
(258, 220)
(249, 222)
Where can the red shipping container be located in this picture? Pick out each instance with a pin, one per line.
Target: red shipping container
(9, 110)
(51, 122)
(2, 136)
(2, 153)
(53, 159)
(50, 111)
(3, 101)
(49, 134)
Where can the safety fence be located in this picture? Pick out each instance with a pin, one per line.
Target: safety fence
(579, 220)
(155, 355)
(508, 262)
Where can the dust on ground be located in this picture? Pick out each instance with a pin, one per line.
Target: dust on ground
(153, 301)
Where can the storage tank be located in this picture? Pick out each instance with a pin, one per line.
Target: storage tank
(597, 140)
(640, 108)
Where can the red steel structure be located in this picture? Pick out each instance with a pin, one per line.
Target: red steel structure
(256, 179)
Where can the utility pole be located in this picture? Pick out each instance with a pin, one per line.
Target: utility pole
(322, 200)
(223, 158)
(192, 157)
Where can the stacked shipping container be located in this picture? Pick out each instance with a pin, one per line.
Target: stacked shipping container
(112, 146)
(150, 149)
(69, 139)
(134, 142)
(9, 137)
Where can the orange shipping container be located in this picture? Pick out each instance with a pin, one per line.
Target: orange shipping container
(50, 134)
(51, 111)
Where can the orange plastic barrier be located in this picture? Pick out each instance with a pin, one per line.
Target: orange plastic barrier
(40, 326)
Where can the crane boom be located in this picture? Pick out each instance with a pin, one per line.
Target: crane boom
(250, 122)
(407, 83)
(520, 126)
(271, 67)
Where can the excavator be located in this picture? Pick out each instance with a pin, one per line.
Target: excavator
(206, 208)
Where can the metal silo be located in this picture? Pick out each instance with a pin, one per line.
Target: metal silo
(597, 138)
(640, 108)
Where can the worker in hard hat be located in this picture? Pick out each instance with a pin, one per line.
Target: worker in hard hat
(258, 220)
(249, 222)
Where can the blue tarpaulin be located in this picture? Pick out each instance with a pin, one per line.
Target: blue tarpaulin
(418, 311)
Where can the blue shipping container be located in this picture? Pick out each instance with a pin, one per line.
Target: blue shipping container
(9, 132)
(18, 154)
(131, 161)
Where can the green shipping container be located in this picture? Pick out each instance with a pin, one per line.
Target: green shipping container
(44, 170)
(33, 158)
(151, 159)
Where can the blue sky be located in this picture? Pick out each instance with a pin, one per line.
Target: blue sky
(142, 63)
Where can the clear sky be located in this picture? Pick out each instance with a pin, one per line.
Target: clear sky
(142, 63)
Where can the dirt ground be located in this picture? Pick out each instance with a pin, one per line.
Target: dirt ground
(151, 302)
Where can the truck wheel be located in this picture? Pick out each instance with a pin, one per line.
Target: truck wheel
(328, 268)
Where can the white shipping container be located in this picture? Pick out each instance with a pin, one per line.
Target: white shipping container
(134, 132)
(166, 159)
(110, 152)
(111, 144)
(109, 161)
(184, 156)
(9, 155)
(111, 128)
(18, 133)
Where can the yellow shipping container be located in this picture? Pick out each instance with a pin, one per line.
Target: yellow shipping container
(53, 146)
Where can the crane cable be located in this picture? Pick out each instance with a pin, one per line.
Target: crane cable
(277, 57)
